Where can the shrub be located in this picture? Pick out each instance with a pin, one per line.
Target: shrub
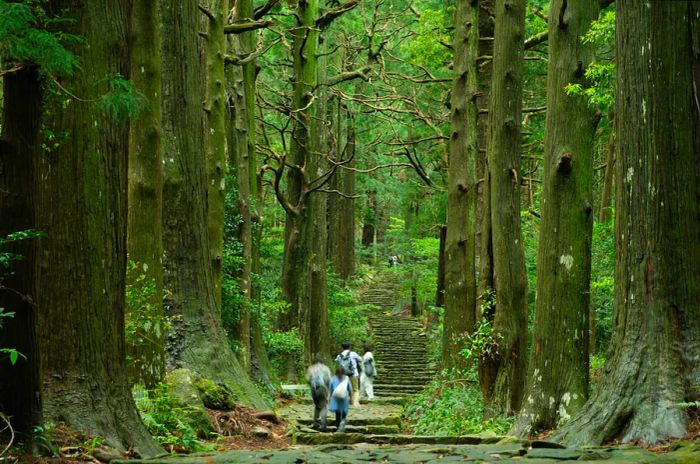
(452, 405)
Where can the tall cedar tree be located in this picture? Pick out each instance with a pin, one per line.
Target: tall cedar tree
(144, 240)
(460, 275)
(303, 263)
(216, 12)
(76, 193)
(503, 374)
(558, 371)
(653, 364)
(197, 340)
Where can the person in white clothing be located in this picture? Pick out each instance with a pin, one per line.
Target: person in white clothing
(369, 371)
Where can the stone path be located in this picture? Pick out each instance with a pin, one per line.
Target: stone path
(506, 451)
(400, 346)
(374, 433)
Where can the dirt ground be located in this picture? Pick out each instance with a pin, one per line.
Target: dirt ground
(240, 429)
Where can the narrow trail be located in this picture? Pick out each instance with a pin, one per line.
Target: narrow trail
(374, 429)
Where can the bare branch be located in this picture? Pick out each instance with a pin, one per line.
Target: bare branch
(246, 26)
(262, 10)
(325, 20)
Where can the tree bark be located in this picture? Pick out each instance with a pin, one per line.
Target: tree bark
(460, 275)
(346, 204)
(243, 148)
(653, 363)
(145, 227)
(197, 340)
(558, 372)
(304, 265)
(79, 267)
(510, 282)
(482, 218)
(440, 290)
(216, 145)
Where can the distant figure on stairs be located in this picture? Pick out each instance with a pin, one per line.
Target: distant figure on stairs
(351, 364)
(393, 261)
(369, 371)
(319, 377)
(340, 398)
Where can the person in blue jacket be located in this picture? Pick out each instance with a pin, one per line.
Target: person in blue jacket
(341, 389)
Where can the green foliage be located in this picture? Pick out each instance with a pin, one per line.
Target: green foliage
(431, 40)
(601, 74)
(28, 36)
(166, 419)
(483, 341)
(603, 281)
(44, 439)
(452, 405)
(144, 320)
(123, 101)
(347, 320)
(6, 259)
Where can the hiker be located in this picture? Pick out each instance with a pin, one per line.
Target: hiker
(350, 362)
(369, 371)
(319, 377)
(340, 398)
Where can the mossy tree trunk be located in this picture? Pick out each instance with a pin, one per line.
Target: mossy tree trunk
(216, 12)
(558, 372)
(346, 202)
(144, 244)
(77, 273)
(197, 340)
(482, 218)
(460, 271)
(654, 362)
(503, 392)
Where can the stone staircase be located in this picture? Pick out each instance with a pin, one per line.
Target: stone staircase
(401, 353)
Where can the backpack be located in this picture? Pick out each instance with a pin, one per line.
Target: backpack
(341, 391)
(347, 364)
(369, 368)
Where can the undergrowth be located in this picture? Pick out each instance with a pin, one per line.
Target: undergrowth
(165, 418)
(452, 405)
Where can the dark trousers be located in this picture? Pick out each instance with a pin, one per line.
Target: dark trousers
(340, 417)
(319, 396)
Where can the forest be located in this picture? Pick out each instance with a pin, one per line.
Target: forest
(199, 198)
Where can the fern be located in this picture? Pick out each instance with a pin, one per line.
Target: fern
(27, 39)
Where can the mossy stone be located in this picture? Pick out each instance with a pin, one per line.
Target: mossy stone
(213, 395)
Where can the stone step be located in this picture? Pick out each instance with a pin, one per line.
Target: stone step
(363, 429)
(358, 421)
(397, 439)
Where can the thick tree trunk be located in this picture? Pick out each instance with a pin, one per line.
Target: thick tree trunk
(304, 265)
(460, 272)
(80, 264)
(440, 290)
(243, 149)
(145, 353)
(197, 340)
(510, 282)
(558, 372)
(484, 246)
(346, 204)
(20, 396)
(215, 142)
(654, 360)
(482, 217)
